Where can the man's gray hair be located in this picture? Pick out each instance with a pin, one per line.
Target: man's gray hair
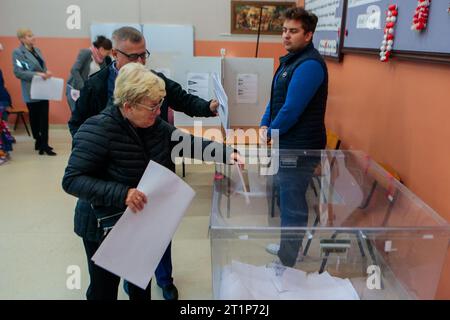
(126, 33)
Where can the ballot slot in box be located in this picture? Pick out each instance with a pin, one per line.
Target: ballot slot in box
(327, 225)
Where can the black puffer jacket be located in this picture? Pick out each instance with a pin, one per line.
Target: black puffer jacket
(109, 157)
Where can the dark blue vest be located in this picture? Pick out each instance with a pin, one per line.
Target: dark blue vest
(309, 131)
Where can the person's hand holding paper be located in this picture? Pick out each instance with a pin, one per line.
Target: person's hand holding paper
(213, 106)
(45, 75)
(136, 200)
(149, 232)
(46, 87)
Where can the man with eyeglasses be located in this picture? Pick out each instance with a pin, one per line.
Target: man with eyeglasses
(129, 46)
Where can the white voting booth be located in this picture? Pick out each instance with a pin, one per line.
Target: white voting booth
(242, 113)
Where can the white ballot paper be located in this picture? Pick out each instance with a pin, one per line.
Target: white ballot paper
(241, 178)
(222, 97)
(276, 282)
(135, 245)
(50, 89)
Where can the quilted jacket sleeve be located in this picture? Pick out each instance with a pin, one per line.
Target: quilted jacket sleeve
(89, 158)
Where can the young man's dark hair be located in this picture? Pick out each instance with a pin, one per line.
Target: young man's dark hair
(102, 42)
(306, 18)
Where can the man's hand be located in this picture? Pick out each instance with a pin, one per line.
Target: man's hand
(236, 158)
(136, 200)
(213, 106)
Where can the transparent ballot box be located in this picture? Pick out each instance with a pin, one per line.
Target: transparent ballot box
(295, 224)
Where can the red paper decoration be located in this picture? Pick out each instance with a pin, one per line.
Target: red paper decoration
(420, 18)
(388, 39)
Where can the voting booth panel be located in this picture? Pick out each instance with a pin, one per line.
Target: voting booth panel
(247, 81)
(194, 74)
(363, 236)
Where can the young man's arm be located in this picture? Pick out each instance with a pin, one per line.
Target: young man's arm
(305, 82)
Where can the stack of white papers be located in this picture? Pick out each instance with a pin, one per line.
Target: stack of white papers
(135, 245)
(276, 282)
(50, 89)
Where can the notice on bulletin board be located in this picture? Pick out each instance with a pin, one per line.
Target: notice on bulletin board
(247, 88)
(326, 12)
(357, 3)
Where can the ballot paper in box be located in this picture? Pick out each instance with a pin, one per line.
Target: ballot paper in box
(363, 235)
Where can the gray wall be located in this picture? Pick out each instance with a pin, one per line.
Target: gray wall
(47, 18)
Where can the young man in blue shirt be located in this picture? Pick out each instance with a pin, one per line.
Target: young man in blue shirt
(296, 113)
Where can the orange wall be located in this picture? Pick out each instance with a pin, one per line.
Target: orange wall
(240, 49)
(397, 112)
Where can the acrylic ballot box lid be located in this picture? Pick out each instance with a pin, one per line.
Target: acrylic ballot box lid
(350, 191)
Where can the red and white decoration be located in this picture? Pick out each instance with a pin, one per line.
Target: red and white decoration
(420, 18)
(388, 40)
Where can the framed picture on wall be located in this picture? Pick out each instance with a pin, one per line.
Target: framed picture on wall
(246, 16)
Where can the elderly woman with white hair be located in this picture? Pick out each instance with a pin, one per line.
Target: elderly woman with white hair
(109, 156)
(28, 62)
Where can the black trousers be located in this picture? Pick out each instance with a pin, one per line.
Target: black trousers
(39, 122)
(104, 285)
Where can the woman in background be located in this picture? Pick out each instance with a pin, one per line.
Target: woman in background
(29, 62)
(89, 61)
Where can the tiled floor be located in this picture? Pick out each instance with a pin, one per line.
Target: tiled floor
(37, 243)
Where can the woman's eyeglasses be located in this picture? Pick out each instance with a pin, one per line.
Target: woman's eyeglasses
(154, 108)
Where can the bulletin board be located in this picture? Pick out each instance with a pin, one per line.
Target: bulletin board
(364, 30)
(328, 37)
